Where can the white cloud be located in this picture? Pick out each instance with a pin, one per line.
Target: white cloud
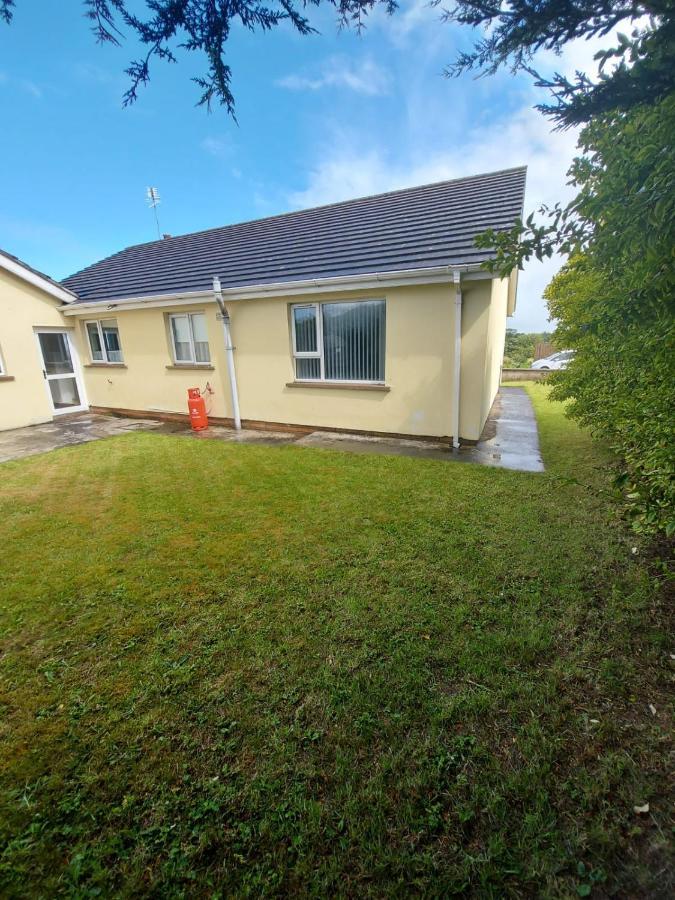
(365, 77)
(220, 147)
(346, 169)
(410, 17)
(449, 134)
(24, 84)
(31, 88)
(92, 73)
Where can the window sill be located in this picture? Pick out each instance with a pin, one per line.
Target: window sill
(349, 385)
(6, 378)
(190, 366)
(101, 365)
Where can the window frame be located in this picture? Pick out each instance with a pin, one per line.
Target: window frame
(104, 350)
(193, 361)
(319, 353)
(309, 354)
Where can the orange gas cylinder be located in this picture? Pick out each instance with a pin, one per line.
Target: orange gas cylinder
(197, 407)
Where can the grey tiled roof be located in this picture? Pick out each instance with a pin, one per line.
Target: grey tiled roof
(415, 228)
(20, 262)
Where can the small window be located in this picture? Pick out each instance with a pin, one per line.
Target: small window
(189, 338)
(104, 341)
(2, 364)
(339, 341)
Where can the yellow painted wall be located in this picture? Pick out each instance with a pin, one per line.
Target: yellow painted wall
(144, 382)
(418, 364)
(24, 400)
(475, 316)
(419, 340)
(484, 305)
(494, 348)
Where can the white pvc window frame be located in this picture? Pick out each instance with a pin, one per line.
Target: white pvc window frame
(106, 361)
(319, 352)
(309, 354)
(193, 361)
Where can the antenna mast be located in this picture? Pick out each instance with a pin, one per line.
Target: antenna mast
(152, 195)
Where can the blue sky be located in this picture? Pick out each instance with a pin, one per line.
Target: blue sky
(320, 119)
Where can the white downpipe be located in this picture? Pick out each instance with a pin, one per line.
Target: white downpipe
(457, 358)
(224, 317)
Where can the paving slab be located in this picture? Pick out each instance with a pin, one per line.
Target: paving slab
(64, 432)
(509, 440)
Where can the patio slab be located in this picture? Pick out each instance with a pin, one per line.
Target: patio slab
(510, 439)
(76, 429)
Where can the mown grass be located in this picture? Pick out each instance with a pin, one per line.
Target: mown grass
(232, 670)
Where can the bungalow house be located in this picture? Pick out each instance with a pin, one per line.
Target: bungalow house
(372, 315)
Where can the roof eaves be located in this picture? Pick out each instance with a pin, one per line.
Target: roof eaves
(285, 288)
(22, 270)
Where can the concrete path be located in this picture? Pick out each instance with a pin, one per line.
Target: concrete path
(73, 429)
(509, 440)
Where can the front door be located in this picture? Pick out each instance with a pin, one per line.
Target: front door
(61, 372)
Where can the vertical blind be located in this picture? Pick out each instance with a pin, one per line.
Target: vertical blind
(349, 346)
(304, 318)
(353, 341)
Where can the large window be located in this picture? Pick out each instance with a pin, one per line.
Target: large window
(339, 341)
(189, 338)
(104, 341)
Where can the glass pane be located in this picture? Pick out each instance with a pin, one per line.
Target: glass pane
(94, 342)
(64, 393)
(304, 322)
(181, 338)
(55, 353)
(111, 338)
(354, 340)
(308, 368)
(201, 338)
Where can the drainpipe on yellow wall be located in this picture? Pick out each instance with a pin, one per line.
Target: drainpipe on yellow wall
(224, 317)
(457, 358)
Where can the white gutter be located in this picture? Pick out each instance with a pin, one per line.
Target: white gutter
(457, 358)
(437, 274)
(224, 317)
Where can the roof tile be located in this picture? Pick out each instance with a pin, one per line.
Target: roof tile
(415, 228)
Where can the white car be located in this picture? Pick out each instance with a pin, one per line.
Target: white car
(554, 361)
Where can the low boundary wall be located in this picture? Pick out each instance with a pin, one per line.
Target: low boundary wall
(524, 374)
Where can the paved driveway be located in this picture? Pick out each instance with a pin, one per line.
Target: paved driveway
(509, 440)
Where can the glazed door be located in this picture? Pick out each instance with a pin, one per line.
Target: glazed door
(60, 371)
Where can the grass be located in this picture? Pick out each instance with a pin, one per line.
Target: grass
(239, 670)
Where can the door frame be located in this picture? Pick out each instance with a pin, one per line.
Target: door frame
(77, 368)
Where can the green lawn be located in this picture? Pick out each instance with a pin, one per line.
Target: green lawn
(230, 670)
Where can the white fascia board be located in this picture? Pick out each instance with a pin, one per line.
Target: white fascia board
(16, 268)
(438, 275)
(109, 308)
